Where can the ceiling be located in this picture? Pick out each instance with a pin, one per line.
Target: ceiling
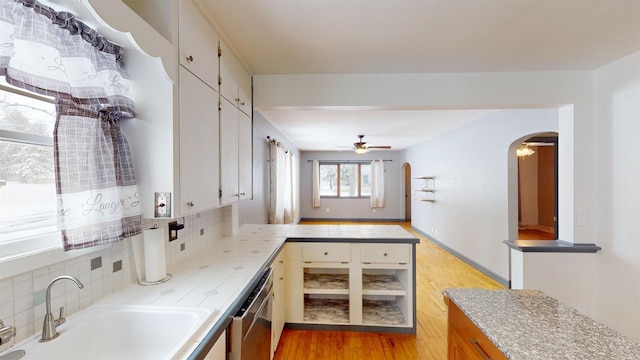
(417, 36)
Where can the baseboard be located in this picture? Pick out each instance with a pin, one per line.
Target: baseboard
(354, 220)
(502, 281)
(358, 328)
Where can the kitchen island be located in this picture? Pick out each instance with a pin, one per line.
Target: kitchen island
(527, 325)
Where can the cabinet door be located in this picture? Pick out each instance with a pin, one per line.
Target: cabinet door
(199, 145)
(219, 349)
(229, 66)
(198, 43)
(228, 152)
(279, 300)
(245, 156)
(244, 91)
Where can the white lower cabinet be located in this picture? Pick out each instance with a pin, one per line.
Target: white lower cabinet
(219, 349)
(279, 306)
(358, 284)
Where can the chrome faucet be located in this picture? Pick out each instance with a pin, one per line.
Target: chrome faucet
(6, 333)
(50, 324)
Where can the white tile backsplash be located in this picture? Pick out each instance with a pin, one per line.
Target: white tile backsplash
(20, 295)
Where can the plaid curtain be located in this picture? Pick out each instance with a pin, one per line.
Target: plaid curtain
(53, 53)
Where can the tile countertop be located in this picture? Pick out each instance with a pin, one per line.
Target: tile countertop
(219, 275)
(530, 325)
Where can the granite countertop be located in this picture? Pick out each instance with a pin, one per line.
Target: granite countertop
(530, 325)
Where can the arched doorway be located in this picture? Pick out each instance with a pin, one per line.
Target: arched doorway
(406, 170)
(537, 187)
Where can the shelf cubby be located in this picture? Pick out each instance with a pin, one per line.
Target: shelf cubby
(382, 284)
(382, 312)
(323, 283)
(324, 310)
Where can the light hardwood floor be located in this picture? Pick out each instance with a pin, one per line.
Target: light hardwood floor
(436, 270)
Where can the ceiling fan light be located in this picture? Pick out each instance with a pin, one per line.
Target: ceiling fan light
(361, 151)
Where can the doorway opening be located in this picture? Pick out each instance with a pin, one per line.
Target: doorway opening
(538, 188)
(406, 170)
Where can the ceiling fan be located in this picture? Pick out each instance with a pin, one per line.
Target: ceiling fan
(362, 147)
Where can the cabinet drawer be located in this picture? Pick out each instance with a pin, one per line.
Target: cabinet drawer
(326, 252)
(468, 338)
(385, 253)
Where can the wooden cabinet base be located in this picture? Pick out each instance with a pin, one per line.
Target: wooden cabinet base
(466, 341)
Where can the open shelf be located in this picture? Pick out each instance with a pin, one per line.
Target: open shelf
(428, 186)
(376, 284)
(382, 312)
(324, 310)
(321, 283)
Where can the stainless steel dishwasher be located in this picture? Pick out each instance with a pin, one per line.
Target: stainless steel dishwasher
(250, 329)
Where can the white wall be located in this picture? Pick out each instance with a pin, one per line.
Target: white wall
(617, 172)
(256, 210)
(470, 91)
(470, 214)
(359, 209)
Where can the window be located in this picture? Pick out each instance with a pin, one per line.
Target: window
(27, 188)
(348, 180)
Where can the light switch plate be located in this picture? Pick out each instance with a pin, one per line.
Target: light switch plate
(163, 205)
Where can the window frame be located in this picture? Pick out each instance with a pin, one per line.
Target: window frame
(338, 164)
(48, 240)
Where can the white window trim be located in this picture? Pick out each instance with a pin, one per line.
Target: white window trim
(35, 259)
(29, 254)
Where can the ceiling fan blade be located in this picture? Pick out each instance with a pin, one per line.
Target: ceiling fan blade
(344, 146)
(379, 147)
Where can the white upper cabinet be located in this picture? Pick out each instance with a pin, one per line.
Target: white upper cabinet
(245, 156)
(235, 84)
(229, 152)
(199, 145)
(245, 90)
(198, 48)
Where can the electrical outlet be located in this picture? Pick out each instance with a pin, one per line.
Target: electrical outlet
(163, 205)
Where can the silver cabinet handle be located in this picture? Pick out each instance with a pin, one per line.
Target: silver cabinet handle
(479, 349)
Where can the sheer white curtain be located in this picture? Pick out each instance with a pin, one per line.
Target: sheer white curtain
(295, 174)
(283, 177)
(288, 188)
(377, 183)
(315, 201)
(276, 183)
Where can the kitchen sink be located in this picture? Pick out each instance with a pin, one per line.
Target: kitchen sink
(121, 332)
